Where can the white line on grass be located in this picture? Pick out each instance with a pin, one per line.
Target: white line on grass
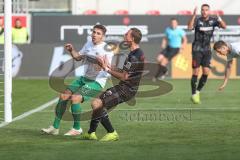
(165, 109)
(26, 114)
(44, 106)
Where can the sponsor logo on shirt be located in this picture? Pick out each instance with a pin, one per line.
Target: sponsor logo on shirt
(206, 29)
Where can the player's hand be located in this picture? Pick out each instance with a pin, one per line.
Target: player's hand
(218, 17)
(100, 61)
(181, 49)
(69, 47)
(221, 88)
(195, 11)
(103, 62)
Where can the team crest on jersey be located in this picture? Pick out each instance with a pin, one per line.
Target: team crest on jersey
(210, 22)
(128, 65)
(200, 23)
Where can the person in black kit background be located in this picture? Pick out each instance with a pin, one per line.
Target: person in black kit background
(201, 50)
(124, 91)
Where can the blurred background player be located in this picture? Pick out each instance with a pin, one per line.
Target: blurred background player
(231, 50)
(174, 41)
(84, 87)
(124, 91)
(19, 33)
(201, 50)
(1, 30)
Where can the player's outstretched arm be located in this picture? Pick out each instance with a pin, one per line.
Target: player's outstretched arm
(75, 55)
(227, 75)
(192, 20)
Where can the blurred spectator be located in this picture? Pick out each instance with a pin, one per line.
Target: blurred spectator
(1, 31)
(174, 41)
(19, 33)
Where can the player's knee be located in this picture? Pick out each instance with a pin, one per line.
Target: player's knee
(159, 58)
(164, 61)
(96, 104)
(206, 71)
(66, 95)
(195, 71)
(76, 99)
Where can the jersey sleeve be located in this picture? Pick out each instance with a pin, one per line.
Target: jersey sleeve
(182, 33)
(229, 58)
(166, 32)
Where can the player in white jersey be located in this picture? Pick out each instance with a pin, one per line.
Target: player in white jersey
(84, 87)
(231, 50)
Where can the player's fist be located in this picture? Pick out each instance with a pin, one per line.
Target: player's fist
(219, 19)
(69, 47)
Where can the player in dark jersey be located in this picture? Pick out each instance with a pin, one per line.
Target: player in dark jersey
(124, 91)
(201, 50)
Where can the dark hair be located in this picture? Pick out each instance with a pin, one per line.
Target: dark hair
(174, 19)
(136, 34)
(101, 27)
(17, 19)
(219, 44)
(205, 5)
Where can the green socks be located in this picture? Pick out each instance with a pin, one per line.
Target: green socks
(76, 111)
(60, 109)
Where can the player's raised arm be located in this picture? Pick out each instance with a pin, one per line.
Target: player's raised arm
(227, 75)
(192, 20)
(222, 23)
(75, 55)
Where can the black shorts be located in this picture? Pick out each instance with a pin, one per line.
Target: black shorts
(201, 59)
(116, 95)
(169, 52)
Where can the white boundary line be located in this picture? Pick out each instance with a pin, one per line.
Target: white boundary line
(46, 105)
(167, 109)
(26, 114)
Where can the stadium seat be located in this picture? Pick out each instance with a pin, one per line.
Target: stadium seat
(184, 12)
(153, 12)
(121, 12)
(90, 12)
(215, 12)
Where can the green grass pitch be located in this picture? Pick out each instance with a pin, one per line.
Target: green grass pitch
(164, 127)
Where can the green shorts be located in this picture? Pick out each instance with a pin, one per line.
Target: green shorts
(86, 87)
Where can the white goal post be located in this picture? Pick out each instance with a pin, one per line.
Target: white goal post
(8, 60)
